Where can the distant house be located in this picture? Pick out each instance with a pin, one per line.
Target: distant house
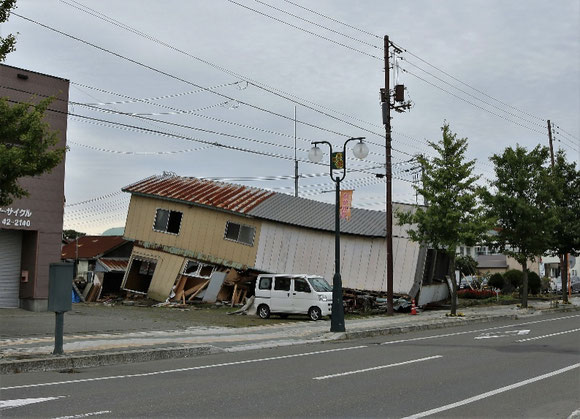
(490, 262)
(191, 229)
(31, 227)
(105, 257)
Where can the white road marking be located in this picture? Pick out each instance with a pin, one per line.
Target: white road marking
(324, 377)
(85, 415)
(492, 393)
(547, 336)
(9, 404)
(502, 334)
(202, 367)
(476, 331)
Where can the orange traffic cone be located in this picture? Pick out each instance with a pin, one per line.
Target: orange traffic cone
(413, 308)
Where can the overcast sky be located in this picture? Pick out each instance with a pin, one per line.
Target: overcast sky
(496, 70)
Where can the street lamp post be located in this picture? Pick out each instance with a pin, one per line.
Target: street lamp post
(337, 162)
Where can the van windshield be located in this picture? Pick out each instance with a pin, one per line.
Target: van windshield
(319, 284)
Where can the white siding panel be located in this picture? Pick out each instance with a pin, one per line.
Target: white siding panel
(291, 249)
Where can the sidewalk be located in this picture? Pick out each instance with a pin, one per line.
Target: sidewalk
(28, 338)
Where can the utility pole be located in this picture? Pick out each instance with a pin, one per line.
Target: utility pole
(564, 259)
(551, 144)
(295, 158)
(386, 105)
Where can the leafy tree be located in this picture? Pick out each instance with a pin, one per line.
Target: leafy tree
(520, 205)
(72, 234)
(8, 44)
(534, 282)
(514, 278)
(496, 281)
(26, 146)
(466, 265)
(453, 216)
(565, 194)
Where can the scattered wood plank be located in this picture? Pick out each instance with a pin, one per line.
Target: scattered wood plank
(198, 291)
(234, 294)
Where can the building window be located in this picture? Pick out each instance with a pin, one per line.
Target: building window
(240, 233)
(194, 268)
(167, 221)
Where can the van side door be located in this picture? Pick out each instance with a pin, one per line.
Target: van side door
(302, 296)
(281, 296)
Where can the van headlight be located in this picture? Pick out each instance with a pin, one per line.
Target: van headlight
(322, 298)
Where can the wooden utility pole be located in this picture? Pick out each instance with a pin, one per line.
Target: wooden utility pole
(386, 105)
(564, 259)
(551, 144)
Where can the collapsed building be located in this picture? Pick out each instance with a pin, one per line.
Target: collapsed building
(207, 240)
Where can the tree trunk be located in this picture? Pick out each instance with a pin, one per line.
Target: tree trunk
(525, 285)
(564, 277)
(453, 283)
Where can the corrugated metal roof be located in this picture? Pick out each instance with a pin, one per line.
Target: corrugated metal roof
(114, 265)
(266, 205)
(235, 198)
(492, 261)
(89, 247)
(319, 215)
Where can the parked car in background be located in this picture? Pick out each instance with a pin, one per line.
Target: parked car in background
(575, 283)
(556, 284)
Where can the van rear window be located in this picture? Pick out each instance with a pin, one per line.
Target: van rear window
(265, 283)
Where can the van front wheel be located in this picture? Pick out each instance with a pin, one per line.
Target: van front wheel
(264, 311)
(314, 313)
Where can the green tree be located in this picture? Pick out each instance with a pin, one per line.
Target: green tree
(452, 216)
(521, 206)
(565, 194)
(466, 265)
(8, 44)
(70, 235)
(26, 146)
(496, 281)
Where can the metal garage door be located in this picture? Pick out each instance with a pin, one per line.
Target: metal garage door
(10, 253)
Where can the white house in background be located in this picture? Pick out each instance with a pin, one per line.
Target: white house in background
(184, 226)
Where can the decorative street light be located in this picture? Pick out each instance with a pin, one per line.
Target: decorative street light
(337, 162)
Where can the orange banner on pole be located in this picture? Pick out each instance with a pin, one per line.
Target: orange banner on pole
(345, 204)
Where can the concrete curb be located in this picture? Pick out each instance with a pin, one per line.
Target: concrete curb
(451, 322)
(70, 362)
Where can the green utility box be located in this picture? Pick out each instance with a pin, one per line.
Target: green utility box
(60, 287)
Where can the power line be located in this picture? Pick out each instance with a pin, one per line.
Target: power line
(305, 30)
(332, 19)
(473, 96)
(318, 25)
(259, 85)
(471, 103)
(417, 57)
(98, 198)
(142, 153)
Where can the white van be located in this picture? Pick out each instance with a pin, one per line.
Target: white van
(285, 294)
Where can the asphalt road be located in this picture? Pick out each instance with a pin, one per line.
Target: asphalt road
(525, 368)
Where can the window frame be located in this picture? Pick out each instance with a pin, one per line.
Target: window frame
(241, 226)
(197, 272)
(170, 211)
